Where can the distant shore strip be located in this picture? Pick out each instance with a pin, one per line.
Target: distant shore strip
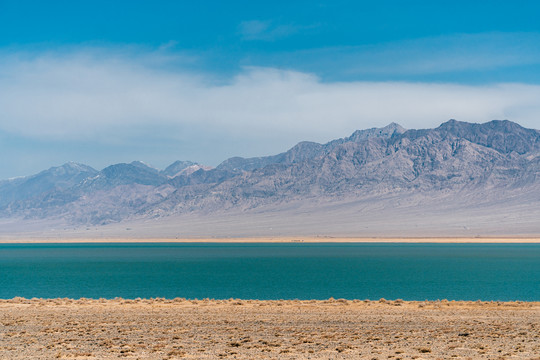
(287, 239)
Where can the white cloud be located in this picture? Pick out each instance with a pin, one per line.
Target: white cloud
(420, 56)
(267, 30)
(78, 95)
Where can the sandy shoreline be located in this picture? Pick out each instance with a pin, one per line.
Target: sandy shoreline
(251, 329)
(291, 239)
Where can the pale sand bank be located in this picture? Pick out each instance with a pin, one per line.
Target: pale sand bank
(289, 239)
(250, 329)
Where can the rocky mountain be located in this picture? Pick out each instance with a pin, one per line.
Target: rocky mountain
(456, 156)
(55, 178)
(457, 166)
(123, 174)
(308, 150)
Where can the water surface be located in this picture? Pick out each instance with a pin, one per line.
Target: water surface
(272, 271)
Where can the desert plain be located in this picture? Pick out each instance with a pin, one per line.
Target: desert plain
(280, 329)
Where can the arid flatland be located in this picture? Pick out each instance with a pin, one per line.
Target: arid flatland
(251, 329)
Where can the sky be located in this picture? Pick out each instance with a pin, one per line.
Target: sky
(103, 82)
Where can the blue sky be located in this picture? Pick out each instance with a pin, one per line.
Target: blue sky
(101, 82)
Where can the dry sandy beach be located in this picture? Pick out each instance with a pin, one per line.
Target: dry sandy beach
(249, 329)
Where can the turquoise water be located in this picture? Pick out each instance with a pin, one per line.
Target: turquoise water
(272, 271)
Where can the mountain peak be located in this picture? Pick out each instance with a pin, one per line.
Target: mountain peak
(395, 127)
(385, 132)
(506, 125)
(71, 167)
(176, 167)
(502, 135)
(143, 165)
(453, 124)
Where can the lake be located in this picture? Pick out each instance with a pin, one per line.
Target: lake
(272, 271)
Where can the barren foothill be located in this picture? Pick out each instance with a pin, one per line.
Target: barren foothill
(282, 329)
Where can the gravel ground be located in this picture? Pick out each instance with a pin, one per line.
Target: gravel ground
(252, 329)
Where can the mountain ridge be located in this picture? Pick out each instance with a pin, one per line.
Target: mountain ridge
(455, 160)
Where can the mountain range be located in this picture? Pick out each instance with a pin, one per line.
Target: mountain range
(457, 179)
